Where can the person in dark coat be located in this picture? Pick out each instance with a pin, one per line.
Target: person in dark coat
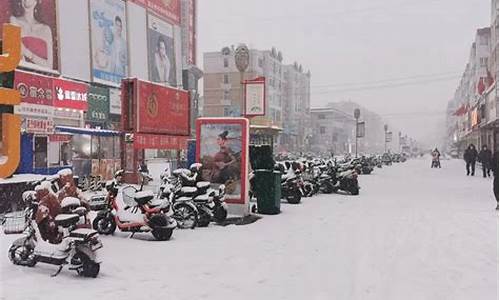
(484, 158)
(470, 157)
(494, 167)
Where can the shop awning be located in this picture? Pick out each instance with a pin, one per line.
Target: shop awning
(88, 131)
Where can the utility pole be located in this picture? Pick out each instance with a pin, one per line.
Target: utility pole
(357, 113)
(385, 137)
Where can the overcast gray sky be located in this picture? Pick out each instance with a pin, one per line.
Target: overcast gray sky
(399, 58)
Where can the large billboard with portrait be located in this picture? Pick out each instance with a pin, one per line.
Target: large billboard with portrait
(109, 41)
(222, 148)
(37, 20)
(161, 58)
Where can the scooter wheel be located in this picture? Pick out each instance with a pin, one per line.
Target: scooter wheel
(294, 198)
(88, 267)
(104, 225)
(220, 214)
(19, 255)
(162, 234)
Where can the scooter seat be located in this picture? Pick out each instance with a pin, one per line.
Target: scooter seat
(179, 172)
(188, 190)
(202, 198)
(203, 184)
(180, 199)
(70, 201)
(66, 220)
(143, 197)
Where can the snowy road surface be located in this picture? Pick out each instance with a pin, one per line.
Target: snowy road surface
(413, 233)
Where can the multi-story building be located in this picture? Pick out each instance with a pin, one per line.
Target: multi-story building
(332, 131)
(296, 108)
(71, 71)
(223, 92)
(472, 114)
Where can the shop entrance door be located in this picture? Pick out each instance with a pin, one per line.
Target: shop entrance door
(40, 153)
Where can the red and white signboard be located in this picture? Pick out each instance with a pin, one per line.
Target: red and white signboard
(161, 109)
(153, 141)
(170, 10)
(39, 126)
(255, 97)
(34, 89)
(70, 94)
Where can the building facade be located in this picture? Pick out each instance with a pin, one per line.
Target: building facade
(332, 131)
(223, 94)
(472, 113)
(70, 75)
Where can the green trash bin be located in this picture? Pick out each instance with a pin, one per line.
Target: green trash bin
(267, 185)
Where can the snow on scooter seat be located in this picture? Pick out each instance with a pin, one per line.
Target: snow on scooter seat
(127, 216)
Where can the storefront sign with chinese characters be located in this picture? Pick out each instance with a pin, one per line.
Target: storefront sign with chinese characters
(152, 141)
(35, 110)
(98, 101)
(70, 94)
(38, 126)
(35, 89)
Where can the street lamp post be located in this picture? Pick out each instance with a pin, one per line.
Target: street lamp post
(242, 59)
(356, 116)
(385, 137)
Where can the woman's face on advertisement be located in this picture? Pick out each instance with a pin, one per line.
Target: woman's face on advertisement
(221, 142)
(27, 4)
(162, 49)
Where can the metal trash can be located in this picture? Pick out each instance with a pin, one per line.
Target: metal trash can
(267, 186)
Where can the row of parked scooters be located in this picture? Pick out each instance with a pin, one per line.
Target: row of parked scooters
(59, 229)
(306, 177)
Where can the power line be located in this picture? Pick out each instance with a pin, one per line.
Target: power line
(423, 76)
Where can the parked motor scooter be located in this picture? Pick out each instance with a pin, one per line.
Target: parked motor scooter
(77, 248)
(139, 215)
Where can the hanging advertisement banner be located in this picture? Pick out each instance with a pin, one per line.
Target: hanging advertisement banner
(170, 10)
(34, 110)
(153, 141)
(33, 88)
(37, 20)
(161, 56)
(70, 94)
(222, 148)
(388, 137)
(191, 27)
(360, 130)
(161, 110)
(255, 97)
(115, 102)
(98, 104)
(38, 126)
(109, 41)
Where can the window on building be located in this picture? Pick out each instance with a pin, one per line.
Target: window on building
(226, 95)
(261, 62)
(226, 62)
(322, 130)
(321, 116)
(226, 78)
(483, 61)
(227, 111)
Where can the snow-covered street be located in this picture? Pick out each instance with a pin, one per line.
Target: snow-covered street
(413, 233)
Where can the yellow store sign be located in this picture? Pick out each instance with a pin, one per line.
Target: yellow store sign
(11, 124)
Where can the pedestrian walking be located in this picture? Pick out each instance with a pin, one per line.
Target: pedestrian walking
(436, 163)
(494, 167)
(484, 157)
(470, 157)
